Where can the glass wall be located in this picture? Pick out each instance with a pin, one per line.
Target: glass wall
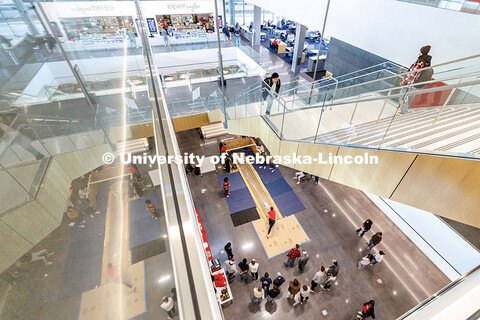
(467, 6)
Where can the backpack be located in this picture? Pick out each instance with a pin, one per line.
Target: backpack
(425, 75)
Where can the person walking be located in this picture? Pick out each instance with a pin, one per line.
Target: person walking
(258, 293)
(168, 306)
(253, 267)
(244, 267)
(293, 288)
(279, 280)
(266, 282)
(367, 310)
(151, 207)
(292, 255)
(367, 225)
(236, 34)
(228, 250)
(302, 295)
(226, 32)
(376, 238)
(271, 87)
(415, 76)
(365, 261)
(377, 258)
(302, 261)
(230, 268)
(318, 278)
(271, 220)
(273, 294)
(226, 187)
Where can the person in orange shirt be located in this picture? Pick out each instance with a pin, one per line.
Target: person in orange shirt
(226, 187)
(271, 220)
(151, 207)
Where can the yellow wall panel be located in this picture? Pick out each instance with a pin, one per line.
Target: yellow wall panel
(14, 248)
(313, 150)
(288, 148)
(190, 122)
(379, 179)
(445, 186)
(31, 221)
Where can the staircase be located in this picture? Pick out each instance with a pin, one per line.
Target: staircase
(444, 117)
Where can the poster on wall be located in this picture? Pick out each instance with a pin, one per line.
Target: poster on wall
(220, 22)
(152, 27)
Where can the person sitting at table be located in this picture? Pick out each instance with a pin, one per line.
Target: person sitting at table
(275, 44)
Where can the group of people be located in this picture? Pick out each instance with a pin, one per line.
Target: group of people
(227, 31)
(270, 289)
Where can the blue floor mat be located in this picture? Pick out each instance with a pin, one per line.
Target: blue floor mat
(267, 176)
(240, 200)
(83, 265)
(235, 179)
(288, 203)
(143, 228)
(278, 187)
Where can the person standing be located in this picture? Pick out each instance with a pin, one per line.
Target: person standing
(334, 269)
(376, 238)
(165, 36)
(302, 261)
(293, 288)
(236, 33)
(253, 267)
(365, 261)
(271, 87)
(273, 294)
(151, 207)
(292, 255)
(271, 220)
(328, 282)
(266, 282)
(318, 278)
(423, 61)
(367, 310)
(168, 306)
(230, 268)
(367, 225)
(223, 148)
(258, 293)
(131, 37)
(377, 258)
(226, 32)
(226, 187)
(279, 280)
(228, 250)
(243, 269)
(302, 295)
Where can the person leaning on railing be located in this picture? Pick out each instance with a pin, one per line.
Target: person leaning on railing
(415, 76)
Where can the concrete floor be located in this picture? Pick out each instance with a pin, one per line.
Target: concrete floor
(407, 275)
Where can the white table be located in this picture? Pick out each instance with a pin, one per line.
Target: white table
(155, 177)
(208, 166)
(219, 289)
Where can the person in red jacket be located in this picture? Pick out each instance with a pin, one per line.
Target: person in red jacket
(271, 220)
(224, 148)
(151, 207)
(226, 187)
(292, 255)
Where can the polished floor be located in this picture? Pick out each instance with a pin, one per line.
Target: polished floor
(333, 212)
(69, 287)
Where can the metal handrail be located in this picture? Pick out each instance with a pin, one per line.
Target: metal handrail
(439, 293)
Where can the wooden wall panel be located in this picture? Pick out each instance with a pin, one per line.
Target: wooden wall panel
(216, 115)
(379, 179)
(190, 122)
(321, 170)
(445, 186)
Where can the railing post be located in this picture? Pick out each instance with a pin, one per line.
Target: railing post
(354, 111)
(293, 100)
(311, 94)
(446, 101)
(283, 120)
